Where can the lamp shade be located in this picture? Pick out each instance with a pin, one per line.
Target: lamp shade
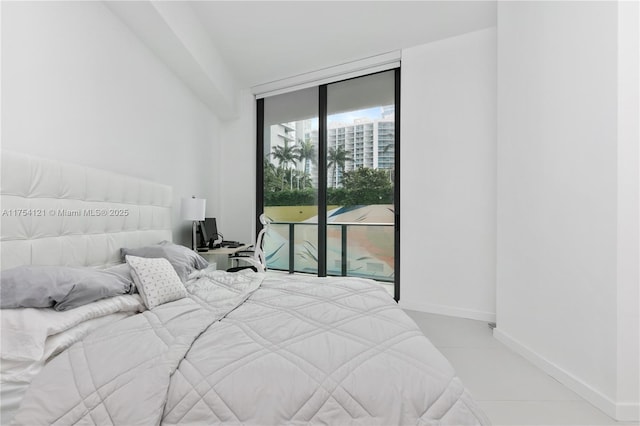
(193, 208)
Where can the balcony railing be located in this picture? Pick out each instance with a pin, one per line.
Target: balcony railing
(344, 269)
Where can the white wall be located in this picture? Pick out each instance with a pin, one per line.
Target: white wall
(558, 189)
(448, 183)
(79, 86)
(628, 210)
(236, 175)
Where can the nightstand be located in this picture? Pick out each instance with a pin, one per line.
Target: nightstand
(220, 256)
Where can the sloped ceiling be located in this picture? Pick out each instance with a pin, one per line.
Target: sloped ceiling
(173, 32)
(265, 41)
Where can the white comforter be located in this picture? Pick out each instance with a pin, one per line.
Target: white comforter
(297, 351)
(30, 337)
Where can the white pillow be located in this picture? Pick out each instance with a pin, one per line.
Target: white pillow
(156, 280)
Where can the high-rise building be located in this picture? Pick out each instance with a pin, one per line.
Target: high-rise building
(281, 134)
(368, 143)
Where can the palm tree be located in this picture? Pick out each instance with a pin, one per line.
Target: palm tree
(274, 177)
(306, 152)
(298, 175)
(391, 171)
(285, 154)
(336, 159)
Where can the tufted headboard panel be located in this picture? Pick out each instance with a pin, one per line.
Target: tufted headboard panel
(55, 213)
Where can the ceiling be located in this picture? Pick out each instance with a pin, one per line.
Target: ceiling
(265, 41)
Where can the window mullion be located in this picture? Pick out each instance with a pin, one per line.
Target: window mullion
(322, 181)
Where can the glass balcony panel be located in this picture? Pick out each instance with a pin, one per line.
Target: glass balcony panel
(334, 250)
(306, 248)
(276, 247)
(370, 252)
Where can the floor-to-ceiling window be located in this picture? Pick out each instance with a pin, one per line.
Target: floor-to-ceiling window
(328, 178)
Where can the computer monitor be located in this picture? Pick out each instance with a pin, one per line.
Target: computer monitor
(202, 235)
(212, 228)
(207, 231)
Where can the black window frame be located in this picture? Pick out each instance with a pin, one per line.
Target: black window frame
(322, 175)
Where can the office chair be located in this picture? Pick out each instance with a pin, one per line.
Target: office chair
(255, 258)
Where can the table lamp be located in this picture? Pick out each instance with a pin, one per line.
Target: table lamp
(193, 209)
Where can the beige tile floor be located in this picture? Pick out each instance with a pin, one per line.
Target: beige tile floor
(510, 389)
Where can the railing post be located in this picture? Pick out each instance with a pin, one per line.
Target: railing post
(291, 247)
(344, 249)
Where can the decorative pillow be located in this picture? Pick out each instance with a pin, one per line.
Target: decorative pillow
(156, 280)
(60, 287)
(183, 260)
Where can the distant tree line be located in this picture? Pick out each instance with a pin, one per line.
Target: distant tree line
(362, 186)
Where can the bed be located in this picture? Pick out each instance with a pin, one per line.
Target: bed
(211, 348)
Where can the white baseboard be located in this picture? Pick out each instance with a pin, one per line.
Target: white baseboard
(451, 311)
(628, 412)
(618, 411)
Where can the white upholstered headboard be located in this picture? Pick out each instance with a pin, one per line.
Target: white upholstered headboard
(55, 213)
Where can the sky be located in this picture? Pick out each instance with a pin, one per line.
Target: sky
(351, 116)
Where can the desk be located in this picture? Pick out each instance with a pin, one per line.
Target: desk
(220, 256)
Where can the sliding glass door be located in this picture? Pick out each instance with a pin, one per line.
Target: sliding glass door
(328, 178)
(289, 157)
(360, 164)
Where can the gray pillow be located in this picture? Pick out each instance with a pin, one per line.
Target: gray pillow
(183, 259)
(123, 271)
(60, 287)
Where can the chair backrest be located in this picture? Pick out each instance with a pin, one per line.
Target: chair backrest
(258, 253)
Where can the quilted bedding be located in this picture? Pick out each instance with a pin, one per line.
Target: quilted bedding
(256, 349)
